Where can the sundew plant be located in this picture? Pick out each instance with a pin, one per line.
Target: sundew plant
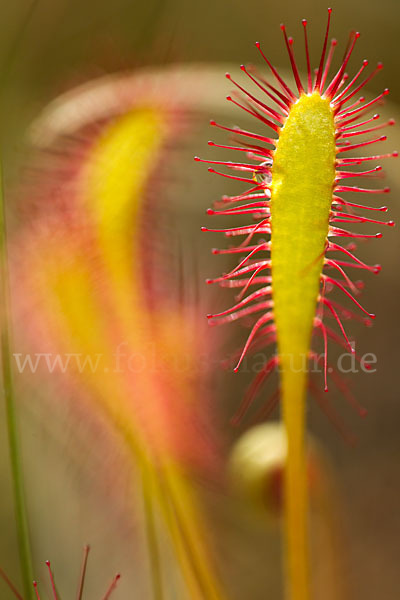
(294, 252)
(90, 277)
(125, 436)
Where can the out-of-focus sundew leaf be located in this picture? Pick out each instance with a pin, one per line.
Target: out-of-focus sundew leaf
(192, 88)
(96, 273)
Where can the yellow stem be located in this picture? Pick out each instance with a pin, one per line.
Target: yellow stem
(170, 492)
(192, 530)
(151, 535)
(296, 493)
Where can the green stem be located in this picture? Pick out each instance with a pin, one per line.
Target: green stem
(11, 418)
(151, 535)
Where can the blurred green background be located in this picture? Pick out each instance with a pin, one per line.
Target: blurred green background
(67, 43)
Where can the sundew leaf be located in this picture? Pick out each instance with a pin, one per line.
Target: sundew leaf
(97, 286)
(295, 175)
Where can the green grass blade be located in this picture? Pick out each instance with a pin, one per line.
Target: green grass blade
(11, 417)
